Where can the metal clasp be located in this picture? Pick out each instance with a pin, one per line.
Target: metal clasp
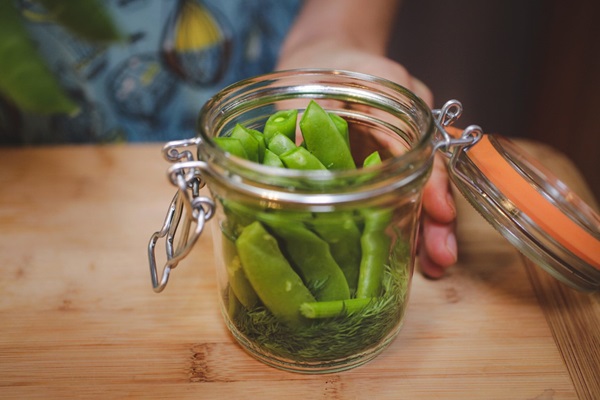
(186, 214)
(449, 144)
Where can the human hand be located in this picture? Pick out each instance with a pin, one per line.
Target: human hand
(332, 55)
(437, 247)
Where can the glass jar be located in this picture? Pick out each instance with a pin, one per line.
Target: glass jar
(314, 267)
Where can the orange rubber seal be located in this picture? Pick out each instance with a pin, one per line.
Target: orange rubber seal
(546, 215)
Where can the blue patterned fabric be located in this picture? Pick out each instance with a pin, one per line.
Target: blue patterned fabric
(178, 53)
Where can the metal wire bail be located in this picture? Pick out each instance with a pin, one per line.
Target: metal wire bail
(445, 117)
(187, 212)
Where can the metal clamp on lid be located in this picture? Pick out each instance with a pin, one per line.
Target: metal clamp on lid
(526, 203)
(451, 141)
(187, 208)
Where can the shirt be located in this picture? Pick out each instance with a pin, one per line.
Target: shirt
(151, 86)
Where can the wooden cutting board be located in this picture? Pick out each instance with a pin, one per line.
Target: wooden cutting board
(80, 320)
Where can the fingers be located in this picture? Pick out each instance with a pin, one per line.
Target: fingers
(438, 248)
(438, 202)
(421, 90)
(397, 73)
(327, 54)
(429, 268)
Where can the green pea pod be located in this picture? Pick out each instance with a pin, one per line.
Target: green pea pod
(372, 159)
(276, 283)
(342, 234)
(300, 158)
(280, 143)
(323, 138)
(272, 160)
(248, 142)
(237, 278)
(375, 245)
(342, 126)
(283, 122)
(237, 219)
(311, 257)
(24, 77)
(334, 308)
(262, 144)
(232, 146)
(233, 305)
(88, 19)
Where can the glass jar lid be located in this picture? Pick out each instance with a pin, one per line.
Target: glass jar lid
(533, 209)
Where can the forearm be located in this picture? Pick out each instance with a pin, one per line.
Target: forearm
(352, 23)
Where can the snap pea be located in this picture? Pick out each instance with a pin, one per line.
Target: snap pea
(334, 308)
(300, 158)
(342, 126)
(323, 138)
(283, 122)
(372, 159)
(272, 160)
(311, 257)
(232, 146)
(237, 218)
(262, 144)
(342, 234)
(278, 286)
(248, 142)
(374, 244)
(238, 281)
(280, 143)
(233, 305)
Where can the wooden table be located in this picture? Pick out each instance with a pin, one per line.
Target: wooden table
(80, 320)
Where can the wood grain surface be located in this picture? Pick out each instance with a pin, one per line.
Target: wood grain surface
(80, 320)
(573, 317)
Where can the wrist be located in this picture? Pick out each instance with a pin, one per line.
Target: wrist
(343, 24)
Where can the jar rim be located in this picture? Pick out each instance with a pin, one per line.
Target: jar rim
(420, 152)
